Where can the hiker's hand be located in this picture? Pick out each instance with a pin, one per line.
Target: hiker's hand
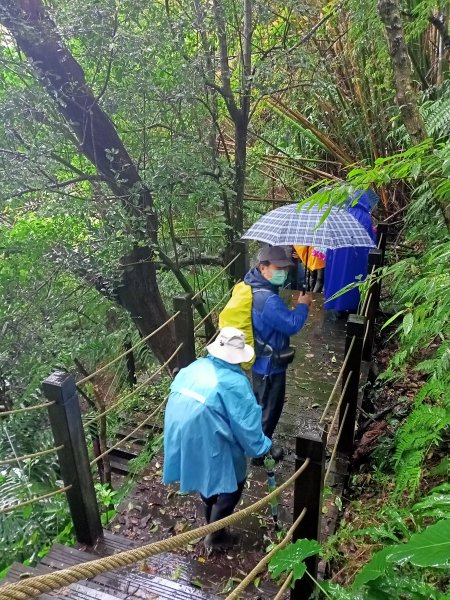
(306, 299)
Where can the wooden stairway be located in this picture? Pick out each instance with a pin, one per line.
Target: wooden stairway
(163, 577)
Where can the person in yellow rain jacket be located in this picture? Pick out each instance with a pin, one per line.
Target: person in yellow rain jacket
(312, 261)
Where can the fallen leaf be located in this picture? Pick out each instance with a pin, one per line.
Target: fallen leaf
(146, 568)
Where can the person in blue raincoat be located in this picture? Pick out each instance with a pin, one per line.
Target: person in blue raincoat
(349, 265)
(212, 423)
(273, 323)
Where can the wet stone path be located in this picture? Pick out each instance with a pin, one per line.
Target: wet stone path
(153, 511)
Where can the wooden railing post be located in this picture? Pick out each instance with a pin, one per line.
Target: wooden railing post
(240, 266)
(67, 427)
(375, 260)
(184, 329)
(308, 491)
(382, 235)
(356, 328)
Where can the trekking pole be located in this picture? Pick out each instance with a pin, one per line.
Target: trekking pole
(269, 464)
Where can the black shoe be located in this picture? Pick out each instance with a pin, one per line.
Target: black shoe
(221, 541)
(277, 453)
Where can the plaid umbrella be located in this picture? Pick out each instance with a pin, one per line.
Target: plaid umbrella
(287, 225)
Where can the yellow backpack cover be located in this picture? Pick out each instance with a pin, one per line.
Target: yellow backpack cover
(238, 313)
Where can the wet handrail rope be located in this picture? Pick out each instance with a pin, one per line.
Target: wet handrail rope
(338, 407)
(127, 437)
(266, 559)
(34, 586)
(205, 287)
(338, 437)
(339, 377)
(7, 413)
(136, 389)
(8, 509)
(284, 587)
(139, 343)
(206, 317)
(10, 461)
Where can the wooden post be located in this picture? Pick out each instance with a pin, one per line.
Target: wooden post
(67, 427)
(375, 260)
(240, 267)
(184, 329)
(356, 328)
(308, 491)
(382, 235)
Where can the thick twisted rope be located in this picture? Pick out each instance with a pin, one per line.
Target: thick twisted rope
(266, 559)
(32, 587)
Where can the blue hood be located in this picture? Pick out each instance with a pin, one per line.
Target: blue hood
(256, 280)
(367, 200)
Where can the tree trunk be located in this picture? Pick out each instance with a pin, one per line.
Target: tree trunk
(389, 11)
(406, 98)
(36, 35)
(240, 165)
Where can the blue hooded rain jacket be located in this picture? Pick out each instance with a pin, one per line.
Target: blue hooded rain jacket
(348, 265)
(212, 423)
(273, 322)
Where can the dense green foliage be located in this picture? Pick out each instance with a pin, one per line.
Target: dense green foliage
(322, 109)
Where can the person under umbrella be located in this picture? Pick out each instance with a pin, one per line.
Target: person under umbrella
(273, 323)
(345, 266)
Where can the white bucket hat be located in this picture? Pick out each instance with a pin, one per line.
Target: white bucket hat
(230, 346)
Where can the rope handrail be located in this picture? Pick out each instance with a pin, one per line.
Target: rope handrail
(34, 586)
(128, 436)
(366, 334)
(139, 343)
(339, 377)
(266, 559)
(136, 389)
(338, 437)
(284, 587)
(15, 411)
(10, 461)
(8, 509)
(338, 407)
(205, 287)
(204, 347)
(367, 305)
(206, 317)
